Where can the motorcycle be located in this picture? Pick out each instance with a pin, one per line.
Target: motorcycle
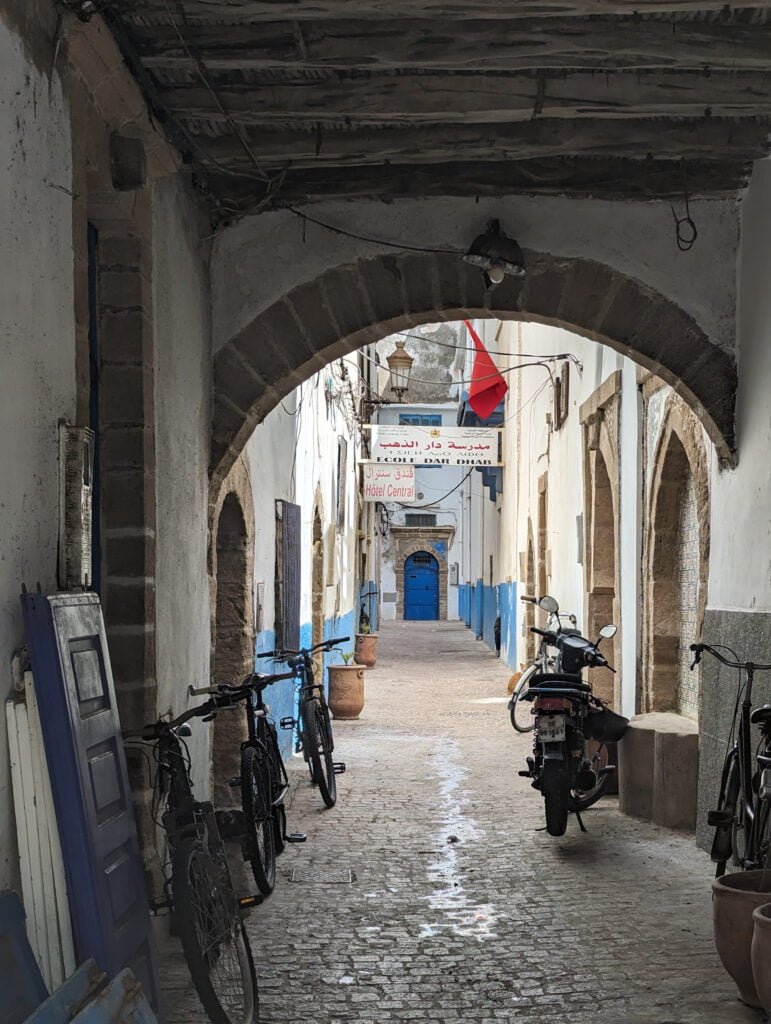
(572, 727)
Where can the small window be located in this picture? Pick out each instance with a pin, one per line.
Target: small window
(419, 519)
(422, 558)
(411, 419)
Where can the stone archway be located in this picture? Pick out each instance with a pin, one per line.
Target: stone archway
(355, 304)
(231, 567)
(676, 562)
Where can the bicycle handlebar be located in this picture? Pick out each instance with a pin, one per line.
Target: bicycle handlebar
(746, 665)
(327, 645)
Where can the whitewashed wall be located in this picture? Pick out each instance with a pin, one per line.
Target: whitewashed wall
(37, 353)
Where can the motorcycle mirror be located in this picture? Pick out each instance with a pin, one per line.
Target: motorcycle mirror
(608, 631)
(549, 604)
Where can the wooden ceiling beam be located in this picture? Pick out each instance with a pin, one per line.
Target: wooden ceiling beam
(707, 139)
(315, 10)
(481, 98)
(607, 179)
(596, 43)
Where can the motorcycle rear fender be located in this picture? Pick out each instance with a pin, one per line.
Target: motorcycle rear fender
(553, 751)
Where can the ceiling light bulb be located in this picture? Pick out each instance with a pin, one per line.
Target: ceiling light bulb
(496, 273)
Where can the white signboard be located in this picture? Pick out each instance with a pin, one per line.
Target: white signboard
(436, 446)
(388, 483)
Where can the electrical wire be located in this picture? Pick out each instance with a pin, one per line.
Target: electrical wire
(447, 495)
(492, 351)
(373, 241)
(476, 380)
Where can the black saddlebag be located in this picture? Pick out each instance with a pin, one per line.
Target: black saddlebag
(605, 726)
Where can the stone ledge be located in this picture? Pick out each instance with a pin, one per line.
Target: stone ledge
(658, 769)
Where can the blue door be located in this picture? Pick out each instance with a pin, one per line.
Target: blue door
(421, 586)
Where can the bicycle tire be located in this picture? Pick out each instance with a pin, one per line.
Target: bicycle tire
(278, 779)
(763, 852)
(213, 937)
(580, 800)
(555, 787)
(723, 840)
(316, 737)
(257, 804)
(519, 691)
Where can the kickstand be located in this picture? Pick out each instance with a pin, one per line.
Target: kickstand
(580, 821)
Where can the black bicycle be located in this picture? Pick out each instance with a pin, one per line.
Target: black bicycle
(742, 820)
(263, 781)
(208, 915)
(314, 724)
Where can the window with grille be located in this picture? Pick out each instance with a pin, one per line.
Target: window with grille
(413, 419)
(423, 558)
(419, 519)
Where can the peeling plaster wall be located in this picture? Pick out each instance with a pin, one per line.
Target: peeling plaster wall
(182, 424)
(635, 238)
(37, 355)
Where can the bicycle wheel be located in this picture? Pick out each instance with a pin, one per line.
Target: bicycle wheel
(316, 743)
(520, 711)
(555, 787)
(213, 938)
(580, 799)
(763, 851)
(278, 780)
(258, 814)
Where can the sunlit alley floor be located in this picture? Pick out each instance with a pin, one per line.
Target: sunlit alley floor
(429, 894)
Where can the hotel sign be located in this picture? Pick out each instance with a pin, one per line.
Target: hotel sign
(436, 446)
(388, 483)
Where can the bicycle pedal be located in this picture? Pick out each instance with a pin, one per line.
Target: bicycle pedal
(295, 837)
(235, 782)
(157, 905)
(245, 903)
(288, 723)
(719, 819)
(339, 767)
(607, 769)
(525, 775)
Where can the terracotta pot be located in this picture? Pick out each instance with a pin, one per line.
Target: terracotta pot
(734, 898)
(365, 652)
(346, 691)
(761, 954)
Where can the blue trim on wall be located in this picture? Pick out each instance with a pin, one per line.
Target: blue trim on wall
(489, 615)
(477, 618)
(507, 609)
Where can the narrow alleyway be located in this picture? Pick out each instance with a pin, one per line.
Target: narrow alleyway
(428, 893)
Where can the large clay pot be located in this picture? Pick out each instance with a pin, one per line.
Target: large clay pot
(761, 954)
(346, 691)
(734, 898)
(365, 652)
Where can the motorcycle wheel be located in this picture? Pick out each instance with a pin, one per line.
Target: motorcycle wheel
(555, 787)
(581, 799)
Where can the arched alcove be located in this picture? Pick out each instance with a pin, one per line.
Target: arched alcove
(676, 563)
(358, 303)
(531, 641)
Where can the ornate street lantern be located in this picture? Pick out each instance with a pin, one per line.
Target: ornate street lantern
(400, 366)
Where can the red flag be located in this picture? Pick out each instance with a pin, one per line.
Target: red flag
(487, 384)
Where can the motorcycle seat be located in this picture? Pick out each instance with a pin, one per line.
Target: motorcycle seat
(760, 715)
(563, 680)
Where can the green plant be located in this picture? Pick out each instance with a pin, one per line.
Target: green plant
(365, 628)
(346, 656)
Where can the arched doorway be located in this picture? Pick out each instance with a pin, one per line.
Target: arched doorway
(233, 639)
(421, 587)
(601, 596)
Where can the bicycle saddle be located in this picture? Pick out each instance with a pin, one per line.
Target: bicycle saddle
(761, 715)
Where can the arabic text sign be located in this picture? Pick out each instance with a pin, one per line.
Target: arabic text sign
(436, 446)
(388, 483)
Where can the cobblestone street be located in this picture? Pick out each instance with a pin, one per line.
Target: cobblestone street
(459, 908)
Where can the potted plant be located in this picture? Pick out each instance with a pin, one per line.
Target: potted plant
(365, 652)
(346, 689)
(734, 899)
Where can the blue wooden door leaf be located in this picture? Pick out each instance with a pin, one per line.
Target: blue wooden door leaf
(421, 587)
(81, 731)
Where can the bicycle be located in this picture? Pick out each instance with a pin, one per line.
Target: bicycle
(314, 724)
(263, 781)
(208, 915)
(742, 820)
